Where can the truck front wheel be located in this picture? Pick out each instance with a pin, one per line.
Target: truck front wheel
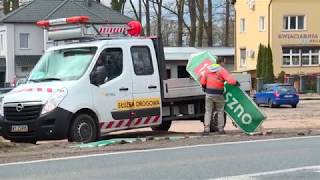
(83, 129)
(164, 126)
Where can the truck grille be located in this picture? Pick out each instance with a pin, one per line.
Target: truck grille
(27, 113)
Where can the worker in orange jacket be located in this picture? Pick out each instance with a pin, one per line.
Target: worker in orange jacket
(212, 82)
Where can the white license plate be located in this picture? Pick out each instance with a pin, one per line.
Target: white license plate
(288, 96)
(19, 128)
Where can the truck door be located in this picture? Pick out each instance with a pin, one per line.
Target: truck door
(146, 87)
(113, 92)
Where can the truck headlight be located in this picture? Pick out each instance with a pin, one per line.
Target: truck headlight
(54, 100)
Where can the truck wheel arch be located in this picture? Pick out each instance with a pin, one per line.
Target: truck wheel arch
(89, 112)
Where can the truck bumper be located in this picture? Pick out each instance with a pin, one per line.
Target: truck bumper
(51, 126)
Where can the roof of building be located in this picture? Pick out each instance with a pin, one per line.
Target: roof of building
(53, 9)
(183, 53)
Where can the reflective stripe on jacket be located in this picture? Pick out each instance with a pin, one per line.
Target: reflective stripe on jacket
(213, 80)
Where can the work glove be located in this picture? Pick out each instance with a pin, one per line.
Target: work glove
(204, 87)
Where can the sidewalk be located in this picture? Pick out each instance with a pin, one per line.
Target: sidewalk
(309, 96)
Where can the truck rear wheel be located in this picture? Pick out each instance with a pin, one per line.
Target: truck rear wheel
(164, 126)
(214, 122)
(83, 129)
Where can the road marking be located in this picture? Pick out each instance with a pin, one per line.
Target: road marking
(157, 149)
(251, 176)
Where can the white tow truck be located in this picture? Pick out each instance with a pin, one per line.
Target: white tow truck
(95, 85)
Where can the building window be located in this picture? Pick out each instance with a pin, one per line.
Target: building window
(142, 61)
(242, 25)
(294, 23)
(243, 57)
(182, 72)
(25, 69)
(304, 56)
(24, 40)
(261, 23)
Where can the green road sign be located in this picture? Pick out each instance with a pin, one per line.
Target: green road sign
(198, 63)
(242, 110)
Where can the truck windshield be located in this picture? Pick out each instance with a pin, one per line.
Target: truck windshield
(63, 64)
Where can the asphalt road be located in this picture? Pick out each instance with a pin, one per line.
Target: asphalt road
(294, 158)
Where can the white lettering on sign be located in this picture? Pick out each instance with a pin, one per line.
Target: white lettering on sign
(238, 109)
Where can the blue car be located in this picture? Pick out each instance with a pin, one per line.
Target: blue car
(275, 95)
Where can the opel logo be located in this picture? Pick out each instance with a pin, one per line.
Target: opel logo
(19, 107)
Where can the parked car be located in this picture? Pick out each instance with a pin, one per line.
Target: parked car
(277, 94)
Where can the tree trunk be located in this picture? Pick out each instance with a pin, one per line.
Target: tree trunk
(201, 22)
(180, 7)
(134, 10)
(193, 22)
(227, 25)
(140, 12)
(209, 28)
(147, 6)
(159, 16)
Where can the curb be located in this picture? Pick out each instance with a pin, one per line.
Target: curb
(309, 98)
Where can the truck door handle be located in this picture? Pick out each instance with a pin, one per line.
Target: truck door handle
(124, 89)
(152, 87)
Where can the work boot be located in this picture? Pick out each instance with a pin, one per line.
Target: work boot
(205, 133)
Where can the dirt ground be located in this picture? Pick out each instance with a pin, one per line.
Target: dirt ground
(284, 122)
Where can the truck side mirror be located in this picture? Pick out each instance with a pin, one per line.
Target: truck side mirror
(98, 75)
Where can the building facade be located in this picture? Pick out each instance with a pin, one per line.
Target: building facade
(291, 29)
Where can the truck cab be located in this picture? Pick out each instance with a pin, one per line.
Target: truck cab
(84, 90)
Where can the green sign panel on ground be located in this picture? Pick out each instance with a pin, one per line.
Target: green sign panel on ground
(241, 109)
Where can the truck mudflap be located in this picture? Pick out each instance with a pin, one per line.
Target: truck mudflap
(51, 126)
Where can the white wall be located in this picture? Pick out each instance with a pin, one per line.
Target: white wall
(3, 34)
(36, 40)
(10, 45)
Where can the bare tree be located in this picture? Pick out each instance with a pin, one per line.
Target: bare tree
(134, 10)
(209, 28)
(227, 24)
(147, 7)
(193, 22)
(200, 5)
(180, 9)
(158, 11)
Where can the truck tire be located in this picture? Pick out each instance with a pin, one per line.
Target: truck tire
(164, 126)
(83, 129)
(214, 122)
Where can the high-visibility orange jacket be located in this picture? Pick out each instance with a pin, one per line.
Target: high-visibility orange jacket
(213, 80)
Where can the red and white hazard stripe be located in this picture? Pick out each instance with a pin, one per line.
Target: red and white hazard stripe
(112, 30)
(126, 123)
